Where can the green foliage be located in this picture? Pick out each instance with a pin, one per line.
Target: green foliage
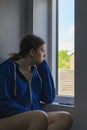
(64, 59)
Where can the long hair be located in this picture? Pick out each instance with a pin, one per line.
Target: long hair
(29, 41)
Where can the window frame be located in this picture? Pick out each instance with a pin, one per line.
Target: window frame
(62, 100)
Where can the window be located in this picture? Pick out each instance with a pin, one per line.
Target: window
(63, 36)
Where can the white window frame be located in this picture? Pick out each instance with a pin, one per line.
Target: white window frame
(62, 100)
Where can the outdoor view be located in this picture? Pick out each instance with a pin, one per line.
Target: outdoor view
(66, 50)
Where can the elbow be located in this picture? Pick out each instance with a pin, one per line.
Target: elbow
(51, 100)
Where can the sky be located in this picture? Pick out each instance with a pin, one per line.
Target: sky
(66, 24)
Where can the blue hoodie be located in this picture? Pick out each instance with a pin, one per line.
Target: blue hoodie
(17, 95)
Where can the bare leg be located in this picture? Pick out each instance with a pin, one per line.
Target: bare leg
(34, 120)
(59, 120)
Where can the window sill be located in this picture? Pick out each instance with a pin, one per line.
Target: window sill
(65, 100)
(55, 106)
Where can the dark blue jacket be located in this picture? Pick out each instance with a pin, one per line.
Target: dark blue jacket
(17, 95)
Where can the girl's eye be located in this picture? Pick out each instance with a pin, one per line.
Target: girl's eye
(43, 51)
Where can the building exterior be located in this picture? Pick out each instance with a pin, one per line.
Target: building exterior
(72, 58)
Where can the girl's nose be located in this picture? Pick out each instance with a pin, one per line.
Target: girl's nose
(44, 55)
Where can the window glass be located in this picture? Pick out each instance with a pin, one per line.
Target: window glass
(66, 51)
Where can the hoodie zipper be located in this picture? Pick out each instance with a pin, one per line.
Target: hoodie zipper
(30, 87)
(15, 94)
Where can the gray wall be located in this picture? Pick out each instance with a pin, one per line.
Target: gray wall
(41, 20)
(15, 21)
(9, 27)
(81, 64)
(40, 25)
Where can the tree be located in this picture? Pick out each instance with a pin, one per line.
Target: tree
(63, 59)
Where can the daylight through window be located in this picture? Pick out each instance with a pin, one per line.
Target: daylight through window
(66, 51)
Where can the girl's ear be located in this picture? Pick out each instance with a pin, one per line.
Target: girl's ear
(32, 52)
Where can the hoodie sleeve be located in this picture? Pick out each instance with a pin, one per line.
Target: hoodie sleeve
(47, 89)
(8, 106)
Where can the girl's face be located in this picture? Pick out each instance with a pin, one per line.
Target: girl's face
(40, 54)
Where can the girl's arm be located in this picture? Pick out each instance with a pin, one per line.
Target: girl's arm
(48, 89)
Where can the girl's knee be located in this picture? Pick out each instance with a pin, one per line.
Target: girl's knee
(66, 118)
(41, 115)
(61, 118)
(39, 120)
(69, 118)
(38, 116)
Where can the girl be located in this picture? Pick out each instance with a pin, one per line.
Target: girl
(25, 80)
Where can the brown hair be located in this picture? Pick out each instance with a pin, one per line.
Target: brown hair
(28, 42)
